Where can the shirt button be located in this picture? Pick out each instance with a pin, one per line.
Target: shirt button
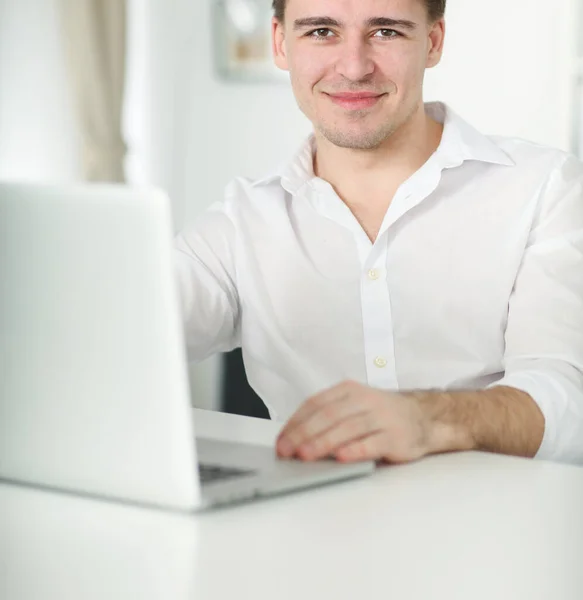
(380, 362)
(373, 274)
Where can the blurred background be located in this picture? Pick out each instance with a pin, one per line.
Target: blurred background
(181, 94)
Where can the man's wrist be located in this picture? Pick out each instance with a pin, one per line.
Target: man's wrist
(444, 431)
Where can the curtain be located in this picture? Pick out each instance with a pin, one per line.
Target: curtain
(94, 33)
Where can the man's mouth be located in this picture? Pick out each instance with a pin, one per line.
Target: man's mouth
(356, 100)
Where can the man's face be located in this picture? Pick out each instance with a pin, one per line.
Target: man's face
(357, 66)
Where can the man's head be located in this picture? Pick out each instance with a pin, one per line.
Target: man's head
(357, 66)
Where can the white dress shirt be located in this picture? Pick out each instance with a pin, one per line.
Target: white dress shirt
(475, 280)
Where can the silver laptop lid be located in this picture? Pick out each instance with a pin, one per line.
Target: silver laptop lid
(93, 381)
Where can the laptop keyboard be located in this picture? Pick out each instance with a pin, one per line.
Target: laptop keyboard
(211, 473)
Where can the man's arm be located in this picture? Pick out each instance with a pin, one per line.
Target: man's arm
(502, 420)
(544, 331)
(207, 287)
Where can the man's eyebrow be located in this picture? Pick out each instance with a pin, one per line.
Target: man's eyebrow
(374, 22)
(316, 22)
(387, 22)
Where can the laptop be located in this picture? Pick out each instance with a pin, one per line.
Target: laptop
(94, 391)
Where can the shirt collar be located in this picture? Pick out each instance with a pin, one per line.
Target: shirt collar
(460, 142)
(294, 173)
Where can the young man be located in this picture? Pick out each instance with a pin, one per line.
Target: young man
(405, 285)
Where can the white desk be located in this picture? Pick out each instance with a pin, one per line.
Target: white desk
(468, 526)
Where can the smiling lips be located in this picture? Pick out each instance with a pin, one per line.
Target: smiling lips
(355, 100)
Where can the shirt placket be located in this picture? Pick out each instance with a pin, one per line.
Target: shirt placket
(377, 319)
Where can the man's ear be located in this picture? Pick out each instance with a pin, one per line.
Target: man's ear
(278, 44)
(436, 43)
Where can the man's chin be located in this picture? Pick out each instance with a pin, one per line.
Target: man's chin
(352, 140)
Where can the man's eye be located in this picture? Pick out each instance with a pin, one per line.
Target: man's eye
(319, 33)
(388, 33)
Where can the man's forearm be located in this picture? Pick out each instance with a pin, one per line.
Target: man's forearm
(501, 419)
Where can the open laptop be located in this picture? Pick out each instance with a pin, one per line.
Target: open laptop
(94, 394)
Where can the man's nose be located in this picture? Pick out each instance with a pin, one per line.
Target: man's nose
(354, 60)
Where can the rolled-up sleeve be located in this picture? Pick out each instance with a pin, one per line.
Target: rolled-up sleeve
(206, 277)
(544, 333)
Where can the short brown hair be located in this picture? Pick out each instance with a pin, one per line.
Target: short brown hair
(435, 9)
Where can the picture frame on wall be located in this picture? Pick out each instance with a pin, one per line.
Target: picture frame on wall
(242, 39)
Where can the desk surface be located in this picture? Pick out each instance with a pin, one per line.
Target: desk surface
(459, 526)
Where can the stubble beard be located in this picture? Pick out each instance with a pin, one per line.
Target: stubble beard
(365, 140)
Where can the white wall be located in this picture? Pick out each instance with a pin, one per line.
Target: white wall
(509, 67)
(579, 85)
(37, 131)
(202, 131)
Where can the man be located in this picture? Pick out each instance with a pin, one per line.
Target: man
(405, 285)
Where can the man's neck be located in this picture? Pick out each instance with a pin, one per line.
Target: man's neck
(364, 176)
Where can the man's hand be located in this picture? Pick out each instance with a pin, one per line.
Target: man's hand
(353, 422)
